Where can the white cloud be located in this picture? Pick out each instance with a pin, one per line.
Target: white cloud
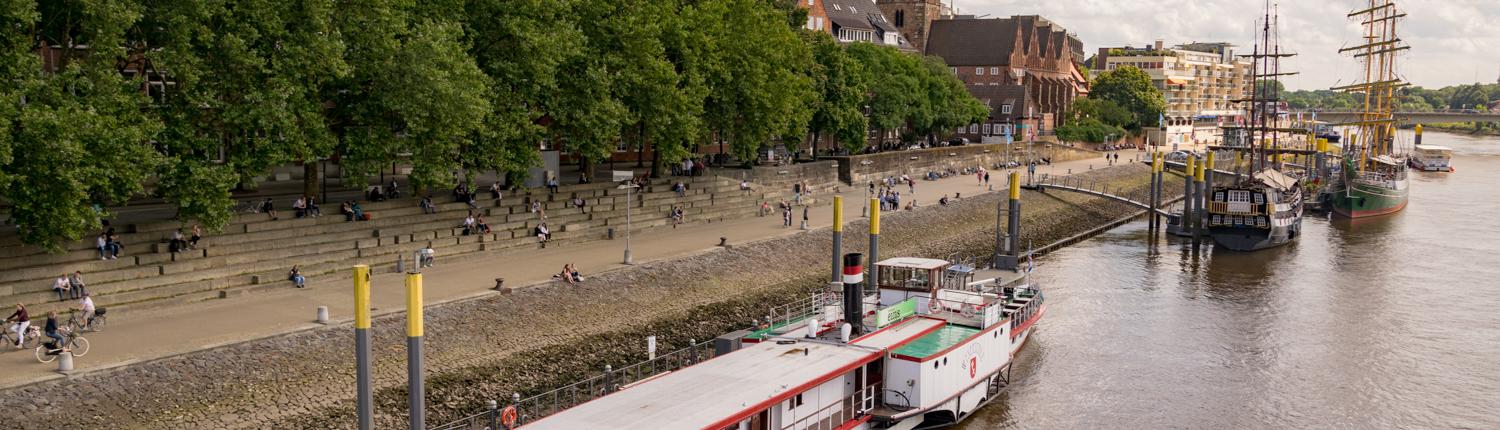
(1453, 41)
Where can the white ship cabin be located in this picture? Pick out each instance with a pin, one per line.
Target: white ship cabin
(937, 347)
(1432, 158)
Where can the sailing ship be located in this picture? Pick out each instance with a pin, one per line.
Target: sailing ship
(936, 346)
(1262, 206)
(1373, 180)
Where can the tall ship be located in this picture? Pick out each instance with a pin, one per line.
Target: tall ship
(928, 348)
(1260, 205)
(1373, 179)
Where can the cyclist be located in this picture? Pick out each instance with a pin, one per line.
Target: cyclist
(87, 306)
(22, 320)
(51, 330)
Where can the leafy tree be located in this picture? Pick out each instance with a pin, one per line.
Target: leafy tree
(895, 90)
(1132, 89)
(78, 137)
(757, 89)
(1470, 97)
(1104, 111)
(952, 105)
(1089, 130)
(839, 81)
(415, 92)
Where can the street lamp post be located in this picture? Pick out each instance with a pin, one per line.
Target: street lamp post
(628, 203)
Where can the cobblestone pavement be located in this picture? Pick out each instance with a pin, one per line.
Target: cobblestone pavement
(499, 343)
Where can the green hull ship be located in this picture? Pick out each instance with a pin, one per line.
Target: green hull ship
(1367, 197)
(1373, 180)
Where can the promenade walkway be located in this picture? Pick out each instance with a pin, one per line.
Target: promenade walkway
(135, 337)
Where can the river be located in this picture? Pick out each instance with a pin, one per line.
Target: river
(1385, 323)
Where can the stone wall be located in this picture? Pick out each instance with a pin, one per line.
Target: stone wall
(859, 169)
(816, 174)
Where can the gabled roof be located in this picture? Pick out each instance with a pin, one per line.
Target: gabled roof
(970, 42)
(856, 14)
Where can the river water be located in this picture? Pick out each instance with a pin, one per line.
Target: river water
(1384, 323)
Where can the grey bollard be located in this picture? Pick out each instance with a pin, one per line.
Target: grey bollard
(322, 315)
(400, 263)
(65, 362)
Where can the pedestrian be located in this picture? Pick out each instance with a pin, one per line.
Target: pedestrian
(178, 243)
(61, 287)
(269, 208)
(986, 178)
(75, 283)
(426, 256)
(786, 216)
(295, 275)
(804, 217)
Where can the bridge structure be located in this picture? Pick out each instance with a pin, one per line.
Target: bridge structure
(1409, 117)
(1138, 198)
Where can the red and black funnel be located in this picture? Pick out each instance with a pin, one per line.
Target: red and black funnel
(854, 269)
(854, 274)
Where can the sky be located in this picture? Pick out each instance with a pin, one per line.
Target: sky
(1452, 41)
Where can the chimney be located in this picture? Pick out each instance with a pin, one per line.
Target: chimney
(854, 300)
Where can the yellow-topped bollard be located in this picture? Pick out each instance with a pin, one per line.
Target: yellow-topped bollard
(364, 387)
(1188, 166)
(1015, 185)
(1209, 165)
(415, 391)
(1418, 139)
(874, 278)
(837, 213)
(874, 216)
(1198, 174)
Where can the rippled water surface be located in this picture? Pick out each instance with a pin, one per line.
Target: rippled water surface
(1385, 323)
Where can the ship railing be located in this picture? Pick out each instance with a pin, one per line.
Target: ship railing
(1237, 208)
(610, 380)
(837, 415)
(804, 308)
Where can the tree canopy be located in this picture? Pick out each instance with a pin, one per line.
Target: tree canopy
(1131, 88)
(185, 100)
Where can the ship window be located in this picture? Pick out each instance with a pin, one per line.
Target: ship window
(1218, 220)
(1239, 196)
(1259, 198)
(794, 402)
(934, 364)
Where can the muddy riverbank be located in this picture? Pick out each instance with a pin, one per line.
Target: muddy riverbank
(530, 341)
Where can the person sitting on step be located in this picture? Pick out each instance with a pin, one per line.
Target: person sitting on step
(295, 275)
(543, 235)
(427, 206)
(481, 226)
(468, 224)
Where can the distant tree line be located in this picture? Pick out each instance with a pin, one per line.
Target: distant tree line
(1410, 99)
(444, 86)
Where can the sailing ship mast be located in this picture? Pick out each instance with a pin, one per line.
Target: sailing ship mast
(1376, 123)
(1265, 100)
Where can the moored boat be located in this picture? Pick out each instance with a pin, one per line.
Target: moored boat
(1374, 180)
(936, 346)
(1431, 158)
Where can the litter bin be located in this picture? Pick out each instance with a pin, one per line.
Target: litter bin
(611, 232)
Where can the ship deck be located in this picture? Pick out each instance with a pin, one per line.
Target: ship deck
(936, 342)
(702, 395)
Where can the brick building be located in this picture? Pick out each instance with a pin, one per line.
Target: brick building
(913, 18)
(1035, 58)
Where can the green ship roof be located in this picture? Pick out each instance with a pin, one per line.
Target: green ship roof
(936, 341)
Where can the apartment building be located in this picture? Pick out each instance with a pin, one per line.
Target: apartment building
(1200, 81)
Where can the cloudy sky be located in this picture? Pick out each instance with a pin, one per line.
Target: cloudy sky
(1453, 41)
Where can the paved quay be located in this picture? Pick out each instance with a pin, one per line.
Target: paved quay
(133, 338)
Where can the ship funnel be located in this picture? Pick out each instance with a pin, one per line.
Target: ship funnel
(854, 301)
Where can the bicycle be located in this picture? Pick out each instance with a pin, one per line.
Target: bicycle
(8, 338)
(76, 344)
(93, 325)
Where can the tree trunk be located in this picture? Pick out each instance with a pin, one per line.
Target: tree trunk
(816, 136)
(586, 165)
(310, 178)
(640, 149)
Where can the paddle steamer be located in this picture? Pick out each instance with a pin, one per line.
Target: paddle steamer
(934, 346)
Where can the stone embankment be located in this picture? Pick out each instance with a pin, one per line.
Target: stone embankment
(529, 341)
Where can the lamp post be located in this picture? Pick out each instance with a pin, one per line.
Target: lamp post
(628, 203)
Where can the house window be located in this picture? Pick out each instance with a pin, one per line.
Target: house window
(979, 71)
(820, 24)
(955, 70)
(973, 128)
(810, 2)
(852, 9)
(900, 18)
(995, 71)
(1005, 109)
(986, 129)
(836, 7)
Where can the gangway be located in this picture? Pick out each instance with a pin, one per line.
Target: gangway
(1137, 198)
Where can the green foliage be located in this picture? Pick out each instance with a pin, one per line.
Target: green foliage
(1131, 88)
(1089, 130)
(841, 84)
(1104, 111)
(193, 97)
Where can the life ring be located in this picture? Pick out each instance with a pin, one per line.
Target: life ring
(508, 417)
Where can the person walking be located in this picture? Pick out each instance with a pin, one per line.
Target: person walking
(786, 215)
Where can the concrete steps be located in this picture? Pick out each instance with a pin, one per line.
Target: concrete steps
(254, 253)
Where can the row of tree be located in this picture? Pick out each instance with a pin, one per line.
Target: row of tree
(1410, 99)
(187, 99)
(1120, 101)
